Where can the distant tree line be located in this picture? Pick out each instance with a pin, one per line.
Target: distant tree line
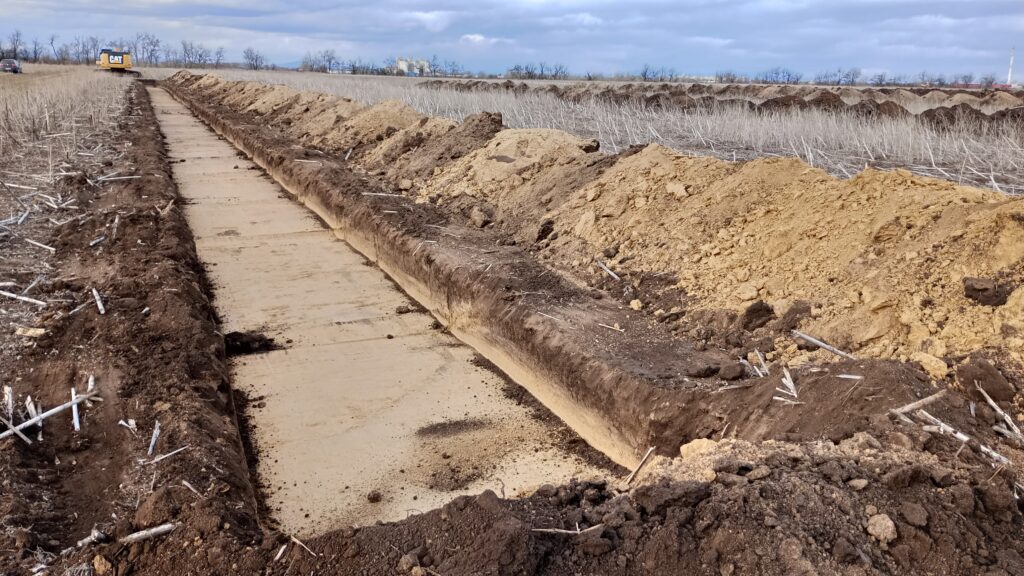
(856, 77)
(539, 71)
(146, 50)
(328, 61)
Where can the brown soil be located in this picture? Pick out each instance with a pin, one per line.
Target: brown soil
(862, 252)
(843, 488)
(926, 512)
(155, 355)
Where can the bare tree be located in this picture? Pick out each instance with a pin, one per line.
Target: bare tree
(218, 57)
(647, 73)
(131, 45)
(93, 45)
(149, 47)
(851, 76)
(17, 42)
(253, 59)
(830, 78)
(730, 77)
(452, 68)
(170, 55)
(35, 50)
(330, 59)
(965, 79)
(785, 76)
(53, 46)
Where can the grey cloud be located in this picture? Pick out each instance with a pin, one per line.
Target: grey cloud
(695, 36)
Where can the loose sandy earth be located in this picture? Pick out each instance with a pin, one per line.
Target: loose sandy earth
(361, 398)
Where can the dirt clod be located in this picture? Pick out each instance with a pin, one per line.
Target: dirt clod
(986, 291)
(101, 565)
(882, 528)
(479, 217)
(407, 562)
(979, 372)
(935, 367)
(243, 343)
(732, 371)
(914, 514)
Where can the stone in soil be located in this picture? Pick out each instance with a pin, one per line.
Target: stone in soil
(986, 291)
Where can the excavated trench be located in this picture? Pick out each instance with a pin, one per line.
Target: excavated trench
(617, 377)
(366, 410)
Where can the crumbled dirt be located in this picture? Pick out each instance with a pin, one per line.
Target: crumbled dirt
(881, 257)
(423, 152)
(404, 141)
(243, 343)
(505, 177)
(898, 500)
(452, 427)
(370, 126)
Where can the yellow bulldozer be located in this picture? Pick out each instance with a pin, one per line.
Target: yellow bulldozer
(117, 61)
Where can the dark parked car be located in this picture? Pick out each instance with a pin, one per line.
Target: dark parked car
(10, 65)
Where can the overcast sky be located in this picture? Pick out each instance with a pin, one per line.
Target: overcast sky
(692, 36)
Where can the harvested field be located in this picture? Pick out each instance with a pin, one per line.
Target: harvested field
(381, 342)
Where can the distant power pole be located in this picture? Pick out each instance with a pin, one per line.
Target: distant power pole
(1009, 75)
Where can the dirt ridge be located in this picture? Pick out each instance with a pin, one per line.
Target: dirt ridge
(156, 355)
(929, 103)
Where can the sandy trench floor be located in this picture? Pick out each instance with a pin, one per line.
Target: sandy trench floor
(361, 399)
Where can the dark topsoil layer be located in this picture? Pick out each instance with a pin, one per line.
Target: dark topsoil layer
(788, 509)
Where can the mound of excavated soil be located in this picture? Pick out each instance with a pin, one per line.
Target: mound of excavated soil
(881, 258)
(499, 174)
(406, 140)
(372, 125)
(313, 115)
